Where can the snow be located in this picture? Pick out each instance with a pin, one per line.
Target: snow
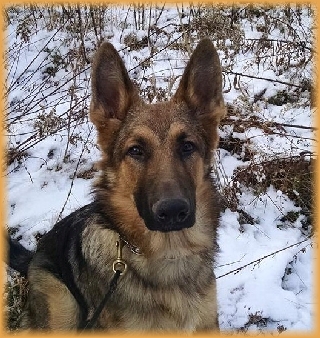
(272, 286)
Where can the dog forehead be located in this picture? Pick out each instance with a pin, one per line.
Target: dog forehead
(163, 119)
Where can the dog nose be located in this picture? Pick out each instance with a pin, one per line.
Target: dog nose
(173, 214)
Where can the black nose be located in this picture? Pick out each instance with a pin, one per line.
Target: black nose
(173, 214)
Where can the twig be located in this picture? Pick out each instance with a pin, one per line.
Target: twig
(303, 44)
(291, 125)
(262, 78)
(31, 63)
(235, 271)
(74, 175)
(270, 124)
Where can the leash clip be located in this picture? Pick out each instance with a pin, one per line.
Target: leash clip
(119, 264)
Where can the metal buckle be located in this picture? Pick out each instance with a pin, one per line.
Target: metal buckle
(119, 264)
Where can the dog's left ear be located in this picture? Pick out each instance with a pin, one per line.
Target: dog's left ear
(201, 88)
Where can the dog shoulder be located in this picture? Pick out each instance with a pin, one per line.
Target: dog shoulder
(67, 245)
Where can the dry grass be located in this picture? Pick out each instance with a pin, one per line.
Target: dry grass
(16, 291)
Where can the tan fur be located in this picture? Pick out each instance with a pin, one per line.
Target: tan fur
(161, 307)
(59, 303)
(145, 161)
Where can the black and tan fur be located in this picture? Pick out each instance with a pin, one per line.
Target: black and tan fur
(155, 191)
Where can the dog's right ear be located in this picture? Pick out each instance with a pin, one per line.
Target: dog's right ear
(112, 90)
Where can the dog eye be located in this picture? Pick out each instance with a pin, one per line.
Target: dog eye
(187, 148)
(136, 152)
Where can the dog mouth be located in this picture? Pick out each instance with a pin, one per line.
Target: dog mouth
(171, 227)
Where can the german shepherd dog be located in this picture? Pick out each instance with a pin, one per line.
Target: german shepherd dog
(154, 214)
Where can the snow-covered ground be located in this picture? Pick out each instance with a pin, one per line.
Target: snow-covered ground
(265, 267)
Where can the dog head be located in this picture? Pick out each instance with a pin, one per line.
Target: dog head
(156, 158)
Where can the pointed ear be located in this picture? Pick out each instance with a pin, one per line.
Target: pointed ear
(200, 89)
(201, 83)
(112, 92)
(112, 89)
